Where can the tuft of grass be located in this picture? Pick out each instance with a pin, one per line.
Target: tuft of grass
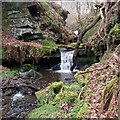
(45, 111)
(7, 74)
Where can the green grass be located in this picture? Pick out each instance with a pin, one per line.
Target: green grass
(45, 111)
(7, 74)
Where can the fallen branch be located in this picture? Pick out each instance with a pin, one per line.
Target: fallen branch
(83, 72)
(81, 92)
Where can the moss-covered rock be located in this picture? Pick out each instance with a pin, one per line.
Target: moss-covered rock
(75, 86)
(34, 22)
(48, 94)
(66, 96)
(55, 88)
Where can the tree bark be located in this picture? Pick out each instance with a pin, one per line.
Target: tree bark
(118, 13)
(80, 40)
(113, 6)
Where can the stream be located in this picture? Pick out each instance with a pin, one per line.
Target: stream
(18, 101)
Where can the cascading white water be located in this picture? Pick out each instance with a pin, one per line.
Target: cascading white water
(18, 96)
(66, 60)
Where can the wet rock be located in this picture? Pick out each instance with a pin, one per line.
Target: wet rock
(22, 114)
(33, 23)
(56, 67)
(13, 12)
(8, 92)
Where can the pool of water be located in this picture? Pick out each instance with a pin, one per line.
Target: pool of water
(21, 101)
(26, 100)
(50, 76)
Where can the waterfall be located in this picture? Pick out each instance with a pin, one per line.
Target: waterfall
(66, 60)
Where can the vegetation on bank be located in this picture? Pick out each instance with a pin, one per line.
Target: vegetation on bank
(59, 100)
(6, 73)
(14, 71)
(47, 29)
(91, 94)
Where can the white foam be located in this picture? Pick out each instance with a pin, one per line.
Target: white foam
(66, 71)
(18, 96)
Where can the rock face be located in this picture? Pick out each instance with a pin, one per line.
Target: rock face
(34, 22)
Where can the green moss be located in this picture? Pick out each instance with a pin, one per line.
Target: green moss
(29, 48)
(106, 55)
(33, 49)
(48, 43)
(70, 96)
(47, 20)
(57, 94)
(66, 97)
(76, 86)
(45, 111)
(66, 88)
(58, 98)
(8, 74)
(1, 52)
(80, 109)
(1, 75)
(48, 47)
(82, 113)
(115, 31)
(109, 86)
(55, 88)
(43, 51)
(42, 96)
(78, 76)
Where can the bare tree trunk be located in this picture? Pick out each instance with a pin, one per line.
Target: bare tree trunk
(80, 40)
(118, 12)
(84, 32)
